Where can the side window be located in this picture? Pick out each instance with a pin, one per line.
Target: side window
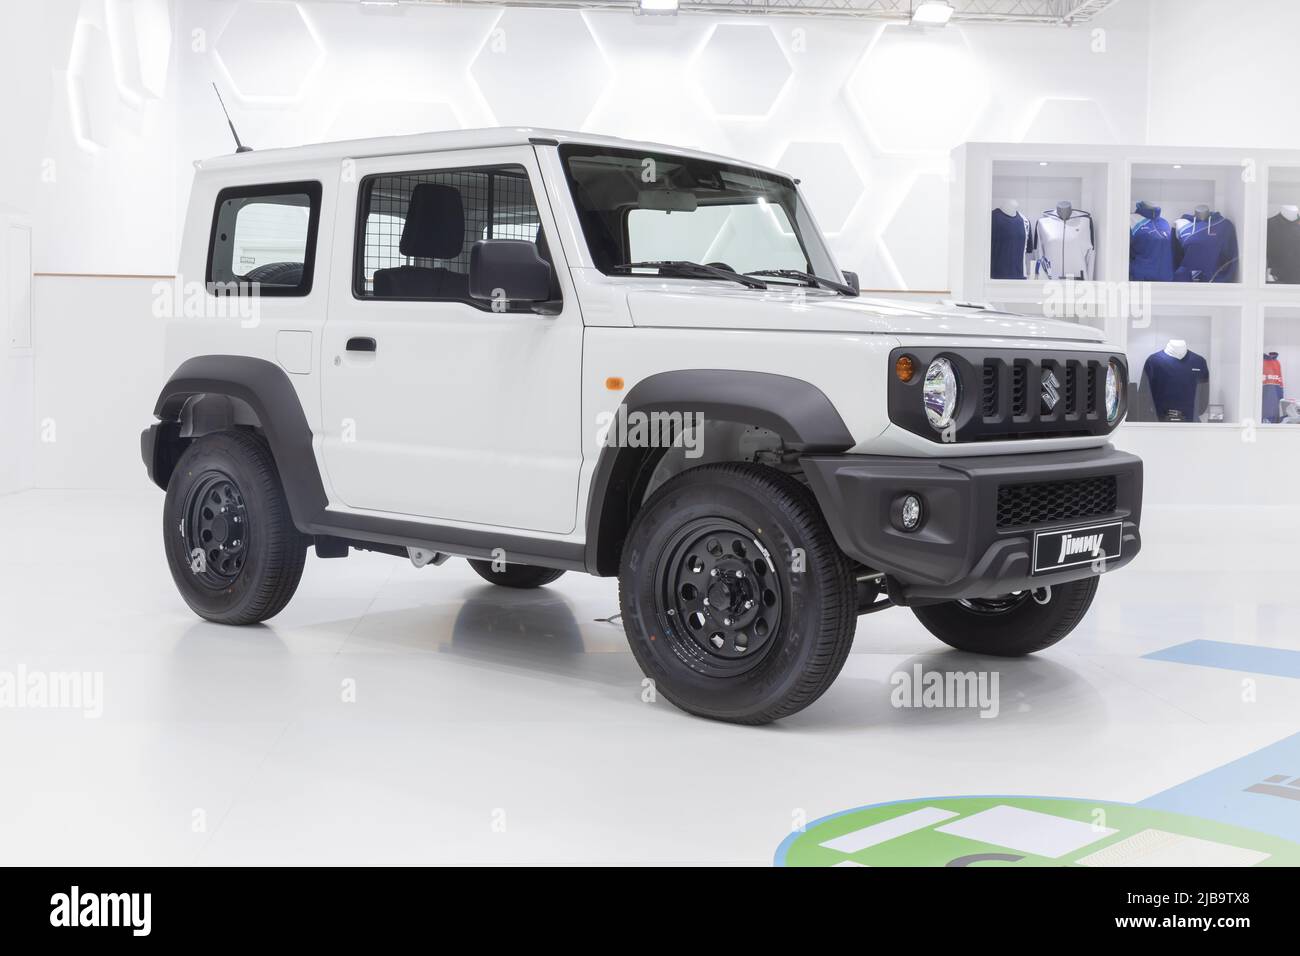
(416, 229)
(264, 237)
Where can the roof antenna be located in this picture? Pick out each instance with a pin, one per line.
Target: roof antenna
(239, 147)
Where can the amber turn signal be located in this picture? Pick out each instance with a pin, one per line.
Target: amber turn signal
(904, 368)
(614, 383)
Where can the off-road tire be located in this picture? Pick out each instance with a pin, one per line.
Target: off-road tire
(252, 571)
(800, 585)
(515, 575)
(1023, 628)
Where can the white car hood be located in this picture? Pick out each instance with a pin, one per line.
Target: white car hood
(706, 305)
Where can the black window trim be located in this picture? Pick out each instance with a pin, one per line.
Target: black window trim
(311, 188)
(358, 281)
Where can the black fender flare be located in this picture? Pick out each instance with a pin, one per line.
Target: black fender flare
(265, 388)
(795, 409)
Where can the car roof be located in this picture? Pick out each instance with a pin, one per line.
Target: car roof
(449, 140)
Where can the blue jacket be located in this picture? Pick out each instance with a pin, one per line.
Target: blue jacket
(1150, 247)
(1205, 250)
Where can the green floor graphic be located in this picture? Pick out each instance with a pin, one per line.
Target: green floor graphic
(1027, 831)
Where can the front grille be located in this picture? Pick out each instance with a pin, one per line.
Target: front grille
(1043, 501)
(1004, 396)
(1019, 388)
(1022, 380)
(990, 391)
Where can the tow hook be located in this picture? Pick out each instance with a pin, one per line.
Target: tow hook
(1043, 595)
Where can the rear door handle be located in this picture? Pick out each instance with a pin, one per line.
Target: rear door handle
(362, 344)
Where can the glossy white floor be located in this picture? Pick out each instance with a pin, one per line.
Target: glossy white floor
(495, 726)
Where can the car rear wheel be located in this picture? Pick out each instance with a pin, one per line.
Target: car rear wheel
(514, 575)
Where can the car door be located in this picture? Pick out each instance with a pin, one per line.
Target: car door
(433, 404)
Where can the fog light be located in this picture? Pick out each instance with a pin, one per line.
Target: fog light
(911, 513)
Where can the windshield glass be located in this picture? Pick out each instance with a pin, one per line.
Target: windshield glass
(640, 207)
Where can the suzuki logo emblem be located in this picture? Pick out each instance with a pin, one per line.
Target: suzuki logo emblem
(1051, 389)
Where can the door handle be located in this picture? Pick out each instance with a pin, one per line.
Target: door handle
(362, 344)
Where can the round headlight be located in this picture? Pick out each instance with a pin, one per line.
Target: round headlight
(939, 393)
(1114, 379)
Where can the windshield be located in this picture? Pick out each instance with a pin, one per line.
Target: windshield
(639, 209)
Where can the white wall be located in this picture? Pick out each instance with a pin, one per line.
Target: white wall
(99, 372)
(109, 101)
(17, 358)
(1223, 73)
(864, 114)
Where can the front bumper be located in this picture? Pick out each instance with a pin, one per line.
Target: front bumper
(961, 550)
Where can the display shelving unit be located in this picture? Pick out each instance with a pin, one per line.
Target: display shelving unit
(1230, 323)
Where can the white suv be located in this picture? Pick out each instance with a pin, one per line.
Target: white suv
(549, 351)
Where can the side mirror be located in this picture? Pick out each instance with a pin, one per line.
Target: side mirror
(508, 269)
(851, 280)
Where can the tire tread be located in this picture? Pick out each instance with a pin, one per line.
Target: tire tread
(838, 621)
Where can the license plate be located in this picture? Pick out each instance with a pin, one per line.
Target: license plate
(1070, 547)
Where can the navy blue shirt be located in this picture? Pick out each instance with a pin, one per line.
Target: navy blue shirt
(1011, 243)
(1150, 247)
(1172, 382)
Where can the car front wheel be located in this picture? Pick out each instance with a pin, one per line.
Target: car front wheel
(231, 544)
(736, 601)
(1011, 625)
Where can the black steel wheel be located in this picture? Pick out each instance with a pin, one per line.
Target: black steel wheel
(231, 544)
(718, 595)
(216, 529)
(736, 601)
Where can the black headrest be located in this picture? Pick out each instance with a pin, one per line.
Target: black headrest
(435, 223)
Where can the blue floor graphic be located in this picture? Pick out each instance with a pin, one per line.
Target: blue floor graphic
(1250, 658)
(1260, 791)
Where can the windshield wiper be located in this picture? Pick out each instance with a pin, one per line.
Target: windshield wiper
(808, 277)
(685, 267)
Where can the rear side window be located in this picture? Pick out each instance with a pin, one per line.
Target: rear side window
(264, 235)
(415, 230)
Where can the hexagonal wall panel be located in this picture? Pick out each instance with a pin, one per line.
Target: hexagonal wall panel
(909, 237)
(1069, 121)
(139, 33)
(540, 68)
(918, 90)
(828, 179)
(92, 97)
(741, 70)
(269, 50)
